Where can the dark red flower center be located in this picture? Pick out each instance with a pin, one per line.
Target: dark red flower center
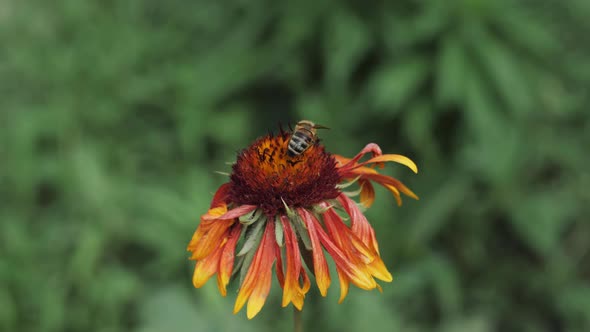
(265, 175)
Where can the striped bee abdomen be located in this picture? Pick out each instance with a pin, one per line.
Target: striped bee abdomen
(300, 141)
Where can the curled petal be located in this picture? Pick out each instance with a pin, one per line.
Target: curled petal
(352, 168)
(291, 208)
(392, 157)
(372, 148)
(367, 193)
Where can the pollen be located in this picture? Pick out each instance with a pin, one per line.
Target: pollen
(267, 176)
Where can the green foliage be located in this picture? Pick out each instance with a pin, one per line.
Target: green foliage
(114, 116)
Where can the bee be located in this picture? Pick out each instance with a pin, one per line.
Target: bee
(303, 137)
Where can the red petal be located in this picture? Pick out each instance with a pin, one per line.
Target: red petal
(373, 148)
(220, 196)
(279, 266)
(237, 212)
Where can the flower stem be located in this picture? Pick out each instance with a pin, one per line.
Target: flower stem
(297, 323)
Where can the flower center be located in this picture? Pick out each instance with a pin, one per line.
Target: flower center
(266, 175)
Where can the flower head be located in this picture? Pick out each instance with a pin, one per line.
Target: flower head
(278, 206)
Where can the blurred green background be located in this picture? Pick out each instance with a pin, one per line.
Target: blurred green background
(114, 116)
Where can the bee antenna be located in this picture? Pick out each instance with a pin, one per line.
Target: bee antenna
(281, 131)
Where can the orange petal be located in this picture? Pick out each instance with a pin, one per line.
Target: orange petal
(264, 275)
(201, 230)
(356, 171)
(395, 193)
(367, 193)
(320, 266)
(377, 268)
(346, 240)
(359, 224)
(208, 220)
(206, 268)
(257, 282)
(215, 213)
(356, 273)
(226, 262)
(404, 189)
(243, 294)
(300, 296)
(259, 293)
(247, 285)
(341, 160)
(291, 292)
(306, 282)
(384, 179)
(210, 240)
(344, 285)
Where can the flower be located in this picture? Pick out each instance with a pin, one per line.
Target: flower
(279, 207)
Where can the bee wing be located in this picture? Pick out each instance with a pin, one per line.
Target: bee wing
(317, 126)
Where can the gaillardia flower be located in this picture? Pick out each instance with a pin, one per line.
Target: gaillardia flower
(285, 210)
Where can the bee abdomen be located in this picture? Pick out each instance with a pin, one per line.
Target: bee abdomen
(299, 143)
